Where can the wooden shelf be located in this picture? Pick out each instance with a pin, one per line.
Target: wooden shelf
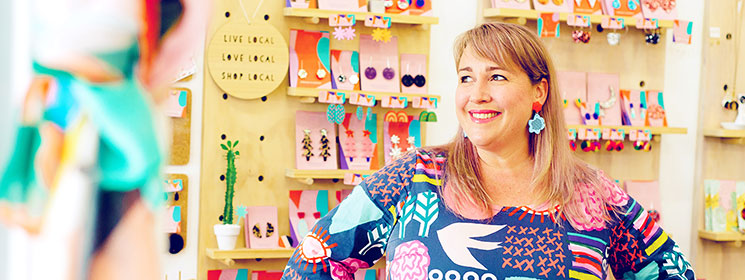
(228, 257)
(724, 133)
(307, 176)
(316, 14)
(653, 130)
(533, 14)
(310, 95)
(735, 237)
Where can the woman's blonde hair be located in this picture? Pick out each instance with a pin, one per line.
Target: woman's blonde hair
(560, 178)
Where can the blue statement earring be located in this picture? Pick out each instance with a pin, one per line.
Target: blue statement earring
(537, 124)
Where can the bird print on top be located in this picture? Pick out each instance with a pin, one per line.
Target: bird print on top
(397, 215)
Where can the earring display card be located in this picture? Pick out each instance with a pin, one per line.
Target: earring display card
(603, 97)
(306, 208)
(413, 73)
(172, 219)
(572, 86)
(656, 115)
(721, 205)
(682, 31)
(260, 229)
(343, 5)
(421, 8)
(633, 107)
(176, 210)
(646, 193)
(359, 142)
(345, 70)
(593, 7)
(175, 104)
(740, 205)
(311, 145)
(306, 4)
(266, 275)
(522, 5)
(379, 64)
(227, 274)
(309, 59)
(402, 133)
(659, 9)
(548, 25)
(564, 6)
(342, 194)
(622, 8)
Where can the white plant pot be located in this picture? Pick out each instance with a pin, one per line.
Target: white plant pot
(226, 236)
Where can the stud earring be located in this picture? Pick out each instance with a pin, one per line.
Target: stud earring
(420, 3)
(616, 4)
(388, 72)
(325, 145)
(353, 79)
(558, 2)
(388, 3)
(307, 145)
(403, 4)
(610, 145)
(341, 78)
(573, 145)
(301, 72)
(321, 73)
(619, 145)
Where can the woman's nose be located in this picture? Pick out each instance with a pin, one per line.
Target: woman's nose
(481, 93)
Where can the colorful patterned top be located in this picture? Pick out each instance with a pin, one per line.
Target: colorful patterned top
(397, 212)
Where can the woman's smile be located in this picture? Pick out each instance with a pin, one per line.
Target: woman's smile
(483, 116)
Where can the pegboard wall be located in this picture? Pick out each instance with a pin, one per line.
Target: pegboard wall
(721, 159)
(265, 128)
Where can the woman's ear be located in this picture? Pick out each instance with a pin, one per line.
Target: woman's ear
(540, 92)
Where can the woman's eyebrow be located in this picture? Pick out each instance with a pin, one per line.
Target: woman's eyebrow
(466, 69)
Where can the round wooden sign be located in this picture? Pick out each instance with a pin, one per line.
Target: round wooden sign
(247, 60)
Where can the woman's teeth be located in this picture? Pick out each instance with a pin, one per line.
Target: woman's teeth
(484, 116)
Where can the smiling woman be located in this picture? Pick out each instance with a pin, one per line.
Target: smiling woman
(507, 200)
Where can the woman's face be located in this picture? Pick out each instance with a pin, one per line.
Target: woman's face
(494, 102)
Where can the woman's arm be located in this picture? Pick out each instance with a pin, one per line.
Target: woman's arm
(640, 249)
(354, 234)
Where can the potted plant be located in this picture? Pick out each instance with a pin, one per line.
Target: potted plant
(227, 232)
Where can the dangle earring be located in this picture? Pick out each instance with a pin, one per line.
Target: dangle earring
(307, 147)
(325, 145)
(388, 72)
(573, 145)
(537, 124)
(301, 73)
(370, 72)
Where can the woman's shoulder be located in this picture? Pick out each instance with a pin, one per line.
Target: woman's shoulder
(595, 197)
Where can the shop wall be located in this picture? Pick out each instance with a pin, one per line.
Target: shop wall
(183, 265)
(678, 154)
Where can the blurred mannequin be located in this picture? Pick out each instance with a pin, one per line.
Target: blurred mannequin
(84, 177)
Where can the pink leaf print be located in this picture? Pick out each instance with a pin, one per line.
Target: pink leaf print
(345, 269)
(410, 262)
(593, 202)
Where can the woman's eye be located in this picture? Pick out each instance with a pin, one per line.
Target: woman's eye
(496, 77)
(466, 79)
